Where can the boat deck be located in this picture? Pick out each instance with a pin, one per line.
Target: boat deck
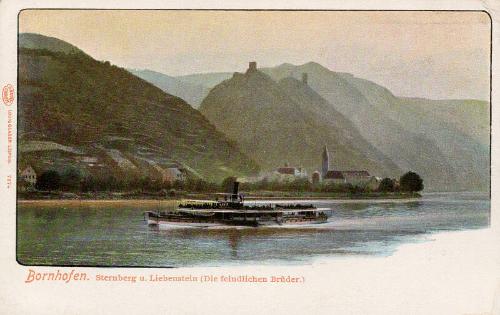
(267, 211)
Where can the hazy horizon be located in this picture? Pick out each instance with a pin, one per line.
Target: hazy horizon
(436, 55)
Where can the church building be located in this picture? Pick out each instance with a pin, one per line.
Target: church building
(353, 177)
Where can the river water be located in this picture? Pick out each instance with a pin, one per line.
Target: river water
(89, 234)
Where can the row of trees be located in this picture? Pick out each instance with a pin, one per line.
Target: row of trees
(72, 180)
(409, 182)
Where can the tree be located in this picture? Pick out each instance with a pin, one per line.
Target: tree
(411, 182)
(178, 185)
(71, 179)
(386, 185)
(355, 189)
(49, 180)
(300, 184)
(145, 183)
(88, 183)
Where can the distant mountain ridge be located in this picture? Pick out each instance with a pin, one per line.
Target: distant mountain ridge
(193, 94)
(110, 121)
(446, 141)
(192, 88)
(208, 80)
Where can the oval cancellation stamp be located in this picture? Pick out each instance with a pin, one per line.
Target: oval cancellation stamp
(8, 94)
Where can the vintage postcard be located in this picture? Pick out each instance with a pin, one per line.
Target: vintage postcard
(253, 160)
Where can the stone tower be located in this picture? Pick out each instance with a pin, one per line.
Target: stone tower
(252, 66)
(326, 162)
(304, 78)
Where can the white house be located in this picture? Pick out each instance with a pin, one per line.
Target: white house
(172, 174)
(357, 178)
(290, 173)
(28, 175)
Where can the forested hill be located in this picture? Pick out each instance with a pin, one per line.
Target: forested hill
(76, 112)
(446, 141)
(275, 123)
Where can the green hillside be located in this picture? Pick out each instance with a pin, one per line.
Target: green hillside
(283, 122)
(121, 123)
(36, 41)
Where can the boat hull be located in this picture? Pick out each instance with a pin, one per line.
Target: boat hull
(172, 224)
(167, 221)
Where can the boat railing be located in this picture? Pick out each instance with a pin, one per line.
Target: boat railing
(241, 206)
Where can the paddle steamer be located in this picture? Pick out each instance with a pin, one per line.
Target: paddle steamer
(232, 211)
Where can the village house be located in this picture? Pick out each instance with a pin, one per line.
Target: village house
(334, 177)
(29, 175)
(356, 178)
(172, 174)
(292, 172)
(26, 178)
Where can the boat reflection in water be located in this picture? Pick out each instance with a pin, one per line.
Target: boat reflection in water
(232, 211)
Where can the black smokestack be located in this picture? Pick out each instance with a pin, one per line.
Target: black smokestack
(235, 187)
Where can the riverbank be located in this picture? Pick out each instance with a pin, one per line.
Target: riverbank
(259, 195)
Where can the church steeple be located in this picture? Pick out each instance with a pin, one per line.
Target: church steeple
(326, 162)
